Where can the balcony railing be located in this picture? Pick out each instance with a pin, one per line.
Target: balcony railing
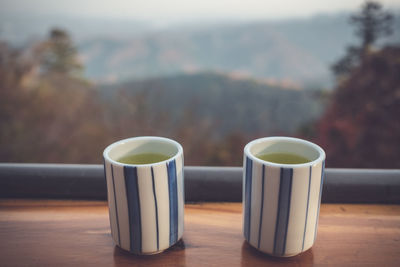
(75, 181)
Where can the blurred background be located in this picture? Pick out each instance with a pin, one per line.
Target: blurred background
(76, 76)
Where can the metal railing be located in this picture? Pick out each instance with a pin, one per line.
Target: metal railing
(76, 181)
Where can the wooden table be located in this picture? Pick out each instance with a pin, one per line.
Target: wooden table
(77, 233)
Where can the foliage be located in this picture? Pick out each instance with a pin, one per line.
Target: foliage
(49, 115)
(46, 116)
(361, 128)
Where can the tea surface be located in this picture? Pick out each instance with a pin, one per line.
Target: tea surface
(143, 158)
(283, 158)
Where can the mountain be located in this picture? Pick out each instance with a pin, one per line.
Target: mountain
(290, 52)
(226, 104)
(296, 52)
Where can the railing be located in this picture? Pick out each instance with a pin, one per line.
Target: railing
(73, 181)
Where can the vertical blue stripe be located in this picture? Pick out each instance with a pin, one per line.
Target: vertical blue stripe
(105, 177)
(308, 201)
(173, 202)
(105, 173)
(182, 172)
(247, 203)
(132, 193)
(319, 202)
(183, 182)
(156, 207)
(282, 218)
(262, 205)
(288, 209)
(115, 202)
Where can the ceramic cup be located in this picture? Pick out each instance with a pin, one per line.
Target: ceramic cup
(281, 201)
(146, 202)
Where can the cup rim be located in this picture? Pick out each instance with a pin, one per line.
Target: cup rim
(158, 138)
(320, 158)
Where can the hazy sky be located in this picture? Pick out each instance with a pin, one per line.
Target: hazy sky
(175, 10)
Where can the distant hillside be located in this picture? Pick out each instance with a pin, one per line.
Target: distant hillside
(296, 51)
(225, 104)
(293, 52)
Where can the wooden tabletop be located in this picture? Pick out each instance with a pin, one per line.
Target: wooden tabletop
(77, 233)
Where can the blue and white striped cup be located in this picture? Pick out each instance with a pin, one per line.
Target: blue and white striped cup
(281, 201)
(146, 202)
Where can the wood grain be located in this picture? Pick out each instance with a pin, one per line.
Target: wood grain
(77, 233)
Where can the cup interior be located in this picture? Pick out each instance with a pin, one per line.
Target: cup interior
(285, 145)
(138, 145)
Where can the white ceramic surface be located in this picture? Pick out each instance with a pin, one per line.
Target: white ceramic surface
(281, 201)
(146, 202)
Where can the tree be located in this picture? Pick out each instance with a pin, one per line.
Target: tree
(372, 22)
(48, 115)
(361, 129)
(60, 55)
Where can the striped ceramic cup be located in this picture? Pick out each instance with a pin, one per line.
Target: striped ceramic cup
(281, 201)
(145, 201)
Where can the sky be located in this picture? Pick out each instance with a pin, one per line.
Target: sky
(179, 10)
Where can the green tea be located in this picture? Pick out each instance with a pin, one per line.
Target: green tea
(283, 158)
(143, 158)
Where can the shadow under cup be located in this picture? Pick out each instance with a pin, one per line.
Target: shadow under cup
(146, 201)
(281, 201)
